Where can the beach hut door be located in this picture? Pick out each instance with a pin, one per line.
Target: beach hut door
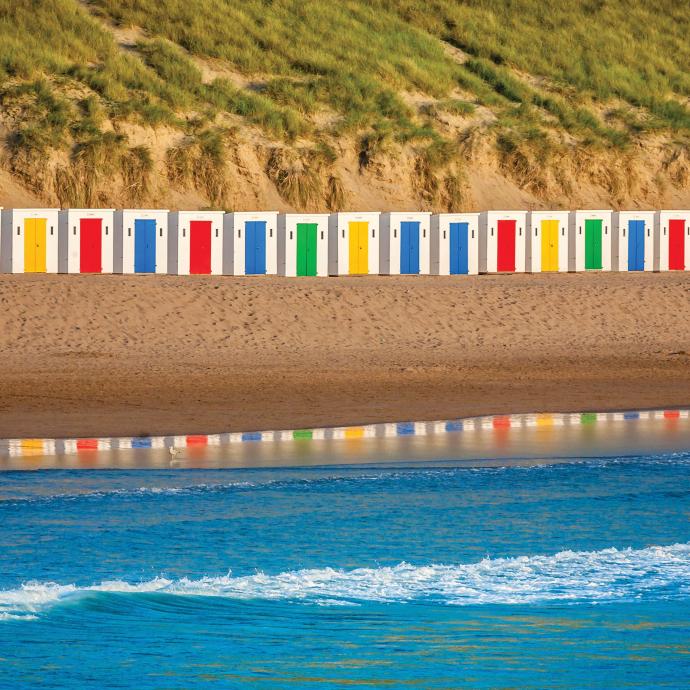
(549, 245)
(593, 244)
(459, 264)
(306, 249)
(144, 245)
(636, 245)
(506, 246)
(90, 245)
(676, 245)
(409, 247)
(200, 247)
(255, 247)
(359, 247)
(35, 245)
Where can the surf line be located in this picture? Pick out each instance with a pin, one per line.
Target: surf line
(70, 446)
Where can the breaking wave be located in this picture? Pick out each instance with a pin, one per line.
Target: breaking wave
(611, 574)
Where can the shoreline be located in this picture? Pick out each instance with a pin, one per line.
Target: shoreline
(74, 446)
(129, 356)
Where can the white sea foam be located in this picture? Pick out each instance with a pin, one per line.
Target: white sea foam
(591, 576)
(193, 489)
(125, 493)
(411, 475)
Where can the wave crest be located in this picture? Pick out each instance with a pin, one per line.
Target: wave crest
(569, 576)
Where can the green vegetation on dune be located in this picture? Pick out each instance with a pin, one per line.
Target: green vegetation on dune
(350, 53)
(606, 49)
(380, 71)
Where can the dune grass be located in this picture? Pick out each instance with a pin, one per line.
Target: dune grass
(634, 51)
(604, 71)
(351, 53)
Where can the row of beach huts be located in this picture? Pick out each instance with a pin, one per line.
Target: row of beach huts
(303, 244)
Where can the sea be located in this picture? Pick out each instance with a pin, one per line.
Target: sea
(417, 567)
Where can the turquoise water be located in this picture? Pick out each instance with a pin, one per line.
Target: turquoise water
(549, 575)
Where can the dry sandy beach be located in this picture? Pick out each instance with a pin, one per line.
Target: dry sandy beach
(117, 355)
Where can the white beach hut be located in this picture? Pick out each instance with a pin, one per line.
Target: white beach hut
(29, 242)
(502, 241)
(405, 243)
(141, 241)
(353, 243)
(85, 240)
(591, 240)
(547, 241)
(251, 243)
(303, 244)
(673, 240)
(195, 242)
(634, 231)
(455, 244)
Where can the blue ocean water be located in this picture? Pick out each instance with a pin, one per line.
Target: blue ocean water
(551, 575)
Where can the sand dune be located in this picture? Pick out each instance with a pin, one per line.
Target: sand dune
(118, 355)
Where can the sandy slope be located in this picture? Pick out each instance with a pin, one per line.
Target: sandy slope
(111, 355)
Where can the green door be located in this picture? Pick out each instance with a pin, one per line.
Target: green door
(593, 244)
(306, 249)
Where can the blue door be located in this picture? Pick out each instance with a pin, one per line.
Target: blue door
(409, 247)
(636, 245)
(459, 255)
(255, 247)
(144, 245)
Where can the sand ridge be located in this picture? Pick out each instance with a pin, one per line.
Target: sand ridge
(126, 355)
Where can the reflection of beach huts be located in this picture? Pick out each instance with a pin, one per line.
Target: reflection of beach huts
(547, 242)
(353, 243)
(251, 243)
(455, 244)
(673, 240)
(85, 241)
(405, 247)
(29, 242)
(141, 241)
(591, 240)
(195, 242)
(303, 244)
(634, 240)
(502, 246)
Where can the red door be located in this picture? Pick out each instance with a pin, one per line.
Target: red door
(676, 245)
(506, 246)
(200, 246)
(90, 245)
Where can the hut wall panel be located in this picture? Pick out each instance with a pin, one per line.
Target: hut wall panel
(341, 229)
(291, 228)
(448, 233)
(503, 241)
(589, 228)
(409, 234)
(127, 226)
(672, 248)
(635, 232)
(78, 228)
(548, 230)
(241, 230)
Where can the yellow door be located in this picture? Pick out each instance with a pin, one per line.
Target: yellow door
(40, 251)
(29, 245)
(549, 245)
(364, 247)
(359, 247)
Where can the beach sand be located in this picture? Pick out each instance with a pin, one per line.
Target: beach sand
(130, 355)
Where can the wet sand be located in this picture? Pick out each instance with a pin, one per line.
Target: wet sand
(118, 355)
